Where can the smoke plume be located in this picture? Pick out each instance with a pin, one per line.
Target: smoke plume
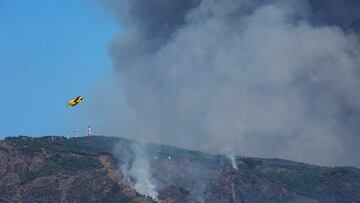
(135, 166)
(229, 152)
(275, 78)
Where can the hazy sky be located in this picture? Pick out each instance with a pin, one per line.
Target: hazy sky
(50, 51)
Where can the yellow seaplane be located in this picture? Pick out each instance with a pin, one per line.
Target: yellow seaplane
(75, 101)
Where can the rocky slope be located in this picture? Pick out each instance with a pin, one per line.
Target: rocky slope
(96, 169)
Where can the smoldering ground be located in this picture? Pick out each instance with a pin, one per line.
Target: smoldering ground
(274, 78)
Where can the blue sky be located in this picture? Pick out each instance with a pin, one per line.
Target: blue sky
(50, 51)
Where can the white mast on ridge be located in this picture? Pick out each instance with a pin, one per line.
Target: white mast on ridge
(88, 130)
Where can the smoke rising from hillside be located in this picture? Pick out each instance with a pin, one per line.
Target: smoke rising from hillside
(229, 152)
(135, 165)
(274, 78)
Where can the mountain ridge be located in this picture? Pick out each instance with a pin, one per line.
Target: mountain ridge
(98, 169)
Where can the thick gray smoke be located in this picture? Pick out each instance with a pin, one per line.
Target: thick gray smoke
(274, 78)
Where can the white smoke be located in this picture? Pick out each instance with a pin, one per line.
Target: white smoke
(229, 152)
(233, 161)
(140, 170)
(136, 166)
